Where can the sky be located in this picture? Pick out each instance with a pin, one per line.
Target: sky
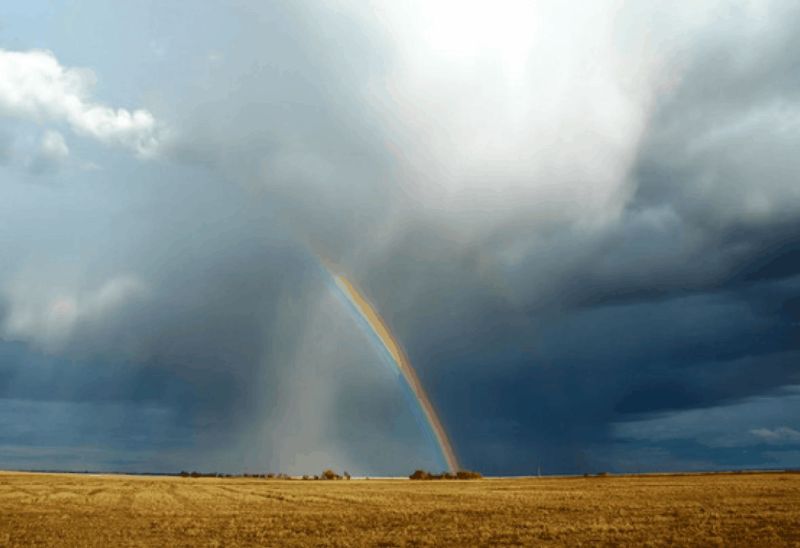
(580, 220)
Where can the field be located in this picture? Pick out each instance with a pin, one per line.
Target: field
(729, 509)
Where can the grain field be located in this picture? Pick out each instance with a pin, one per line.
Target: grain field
(75, 510)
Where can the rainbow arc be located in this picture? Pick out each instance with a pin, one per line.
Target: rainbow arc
(389, 342)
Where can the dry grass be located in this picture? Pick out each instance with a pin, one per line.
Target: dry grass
(736, 509)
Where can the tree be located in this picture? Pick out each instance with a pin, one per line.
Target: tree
(420, 475)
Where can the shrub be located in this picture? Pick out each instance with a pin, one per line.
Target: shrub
(468, 474)
(329, 474)
(462, 474)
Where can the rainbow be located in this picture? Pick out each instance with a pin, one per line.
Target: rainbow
(378, 328)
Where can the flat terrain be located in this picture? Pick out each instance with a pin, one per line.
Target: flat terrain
(731, 509)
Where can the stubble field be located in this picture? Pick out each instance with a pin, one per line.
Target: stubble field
(731, 509)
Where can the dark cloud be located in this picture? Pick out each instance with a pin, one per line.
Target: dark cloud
(547, 309)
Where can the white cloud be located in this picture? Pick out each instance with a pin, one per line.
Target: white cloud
(53, 145)
(51, 318)
(528, 107)
(738, 424)
(36, 86)
(53, 152)
(780, 435)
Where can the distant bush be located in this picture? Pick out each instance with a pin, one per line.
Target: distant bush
(468, 474)
(196, 474)
(461, 474)
(329, 474)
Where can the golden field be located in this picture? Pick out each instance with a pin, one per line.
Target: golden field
(96, 510)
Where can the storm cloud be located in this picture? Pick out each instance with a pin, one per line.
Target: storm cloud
(581, 223)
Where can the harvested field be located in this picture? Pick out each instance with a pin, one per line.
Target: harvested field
(717, 509)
